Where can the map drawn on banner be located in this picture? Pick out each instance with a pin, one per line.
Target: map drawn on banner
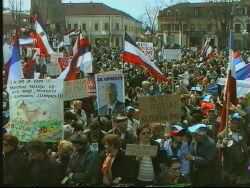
(147, 48)
(36, 109)
(110, 93)
(160, 108)
(171, 54)
(140, 150)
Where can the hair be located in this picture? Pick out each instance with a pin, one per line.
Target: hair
(171, 161)
(112, 139)
(11, 140)
(65, 146)
(139, 130)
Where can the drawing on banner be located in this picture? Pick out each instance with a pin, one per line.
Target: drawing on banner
(147, 48)
(110, 93)
(36, 110)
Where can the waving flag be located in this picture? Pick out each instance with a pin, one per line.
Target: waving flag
(14, 66)
(134, 55)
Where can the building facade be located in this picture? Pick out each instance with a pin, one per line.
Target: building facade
(101, 23)
(189, 24)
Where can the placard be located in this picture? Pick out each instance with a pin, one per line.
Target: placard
(172, 54)
(140, 150)
(147, 48)
(160, 108)
(90, 86)
(110, 93)
(36, 109)
(74, 89)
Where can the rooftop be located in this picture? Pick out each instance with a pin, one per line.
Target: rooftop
(93, 9)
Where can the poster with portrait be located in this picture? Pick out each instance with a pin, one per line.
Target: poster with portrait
(36, 109)
(110, 92)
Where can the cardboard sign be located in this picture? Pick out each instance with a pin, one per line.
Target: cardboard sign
(141, 150)
(74, 89)
(36, 109)
(147, 48)
(172, 54)
(110, 92)
(160, 108)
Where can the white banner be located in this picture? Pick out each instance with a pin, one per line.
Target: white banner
(172, 54)
(147, 48)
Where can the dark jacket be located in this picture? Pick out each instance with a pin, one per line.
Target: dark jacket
(14, 165)
(203, 168)
(118, 108)
(122, 167)
(84, 166)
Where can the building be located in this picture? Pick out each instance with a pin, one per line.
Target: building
(101, 23)
(50, 14)
(189, 24)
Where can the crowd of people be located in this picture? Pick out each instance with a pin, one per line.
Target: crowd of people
(190, 151)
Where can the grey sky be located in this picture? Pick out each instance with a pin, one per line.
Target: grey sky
(135, 8)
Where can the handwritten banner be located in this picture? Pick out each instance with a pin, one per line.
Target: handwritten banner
(36, 109)
(147, 48)
(140, 150)
(172, 54)
(160, 108)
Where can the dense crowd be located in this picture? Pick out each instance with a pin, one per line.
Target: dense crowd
(190, 151)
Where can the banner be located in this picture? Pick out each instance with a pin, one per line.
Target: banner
(66, 40)
(172, 54)
(160, 108)
(36, 109)
(74, 89)
(90, 86)
(110, 93)
(141, 150)
(147, 48)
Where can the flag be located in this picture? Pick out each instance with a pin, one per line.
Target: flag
(133, 55)
(230, 94)
(41, 40)
(14, 66)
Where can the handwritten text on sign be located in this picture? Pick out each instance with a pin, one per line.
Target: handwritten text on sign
(147, 48)
(160, 108)
(141, 150)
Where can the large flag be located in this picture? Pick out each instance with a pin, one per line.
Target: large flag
(134, 55)
(41, 40)
(230, 95)
(13, 65)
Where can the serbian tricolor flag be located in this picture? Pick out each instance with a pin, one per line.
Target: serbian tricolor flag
(134, 55)
(13, 66)
(230, 94)
(41, 40)
(70, 73)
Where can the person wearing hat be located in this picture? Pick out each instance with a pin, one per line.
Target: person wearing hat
(133, 123)
(120, 128)
(83, 165)
(203, 157)
(14, 162)
(234, 148)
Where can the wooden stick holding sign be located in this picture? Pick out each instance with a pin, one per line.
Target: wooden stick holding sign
(140, 150)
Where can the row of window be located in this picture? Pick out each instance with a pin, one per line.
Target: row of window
(105, 27)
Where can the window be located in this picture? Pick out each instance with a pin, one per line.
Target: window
(75, 26)
(237, 28)
(106, 26)
(196, 12)
(176, 27)
(168, 27)
(209, 27)
(163, 27)
(172, 27)
(192, 27)
(248, 11)
(84, 27)
(248, 28)
(185, 27)
(96, 27)
(117, 41)
(117, 26)
(126, 27)
(69, 26)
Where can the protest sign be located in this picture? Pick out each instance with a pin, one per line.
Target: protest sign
(160, 108)
(66, 40)
(172, 54)
(141, 150)
(90, 86)
(110, 93)
(36, 109)
(147, 48)
(74, 89)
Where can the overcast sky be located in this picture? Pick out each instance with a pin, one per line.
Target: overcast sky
(135, 8)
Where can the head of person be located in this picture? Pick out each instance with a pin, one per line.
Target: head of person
(235, 122)
(200, 134)
(64, 148)
(10, 143)
(130, 111)
(144, 134)
(77, 105)
(157, 130)
(120, 122)
(173, 170)
(112, 143)
(37, 150)
(111, 93)
(95, 130)
(80, 142)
